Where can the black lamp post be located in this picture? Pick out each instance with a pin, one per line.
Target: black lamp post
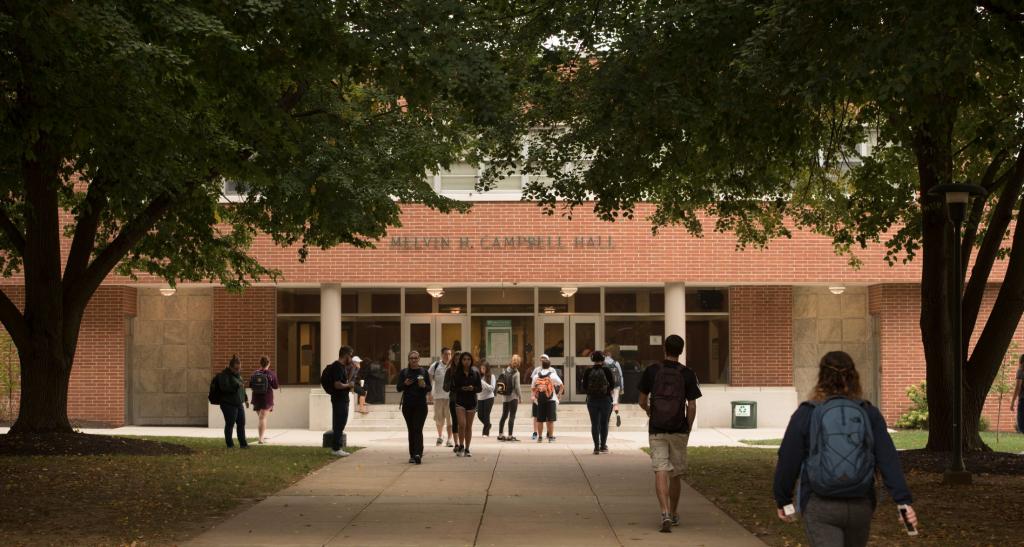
(957, 197)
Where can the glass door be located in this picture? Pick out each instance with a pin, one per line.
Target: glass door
(554, 339)
(427, 334)
(418, 336)
(450, 332)
(584, 339)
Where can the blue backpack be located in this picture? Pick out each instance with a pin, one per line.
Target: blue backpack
(842, 459)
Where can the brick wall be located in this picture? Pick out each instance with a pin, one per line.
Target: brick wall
(244, 324)
(761, 336)
(898, 308)
(96, 393)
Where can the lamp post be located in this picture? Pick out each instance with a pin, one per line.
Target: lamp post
(956, 198)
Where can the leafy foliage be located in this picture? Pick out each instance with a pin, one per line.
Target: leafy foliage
(916, 417)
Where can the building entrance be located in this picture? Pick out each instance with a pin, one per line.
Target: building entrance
(569, 341)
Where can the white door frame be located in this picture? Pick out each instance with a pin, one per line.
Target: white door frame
(572, 350)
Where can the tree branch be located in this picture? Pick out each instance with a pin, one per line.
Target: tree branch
(290, 99)
(989, 250)
(85, 231)
(14, 321)
(12, 232)
(989, 182)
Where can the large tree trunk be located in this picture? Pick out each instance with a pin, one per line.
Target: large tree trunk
(44, 394)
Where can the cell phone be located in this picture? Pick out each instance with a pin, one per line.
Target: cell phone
(789, 510)
(911, 531)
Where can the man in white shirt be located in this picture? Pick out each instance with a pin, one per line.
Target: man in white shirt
(439, 397)
(545, 389)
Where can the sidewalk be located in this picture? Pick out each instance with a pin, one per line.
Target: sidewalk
(304, 437)
(562, 491)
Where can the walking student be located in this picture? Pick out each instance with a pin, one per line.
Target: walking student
(510, 398)
(609, 361)
(414, 385)
(485, 399)
(232, 398)
(834, 444)
(545, 390)
(360, 376)
(1018, 396)
(439, 397)
(336, 381)
(669, 393)
(465, 386)
(599, 383)
(263, 382)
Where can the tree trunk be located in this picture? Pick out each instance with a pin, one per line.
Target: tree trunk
(44, 393)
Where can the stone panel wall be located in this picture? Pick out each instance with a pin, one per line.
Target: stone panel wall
(824, 322)
(170, 357)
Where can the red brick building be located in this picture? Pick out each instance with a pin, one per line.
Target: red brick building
(513, 281)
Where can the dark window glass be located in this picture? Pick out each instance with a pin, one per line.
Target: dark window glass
(418, 301)
(707, 349)
(588, 301)
(298, 352)
(506, 300)
(298, 300)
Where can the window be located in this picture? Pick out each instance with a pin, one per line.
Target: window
(418, 301)
(361, 301)
(707, 300)
(508, 300)
(298, 301)
(635, 341)
(378, 342)
(498, 338)
(587, 300)
(298, 351)
(552, 301)
(453, 301)
(463, 177)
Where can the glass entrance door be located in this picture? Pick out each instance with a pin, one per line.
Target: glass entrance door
(584, 339)
(553, 336)
(427, 334)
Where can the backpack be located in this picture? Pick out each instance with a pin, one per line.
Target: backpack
(259, 382)
(543, 388)
(597, 383)
(215, 393)
(327, 379)
(447, 384)
(616, 377)
(504, 386)
(668, 399)
(841, 463)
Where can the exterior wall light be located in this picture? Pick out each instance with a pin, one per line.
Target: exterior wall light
(836, 289)
(436, 292)
(567, 292)
(549, 309)
(455, 311)
(168, 291)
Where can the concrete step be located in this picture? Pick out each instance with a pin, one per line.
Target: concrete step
(572, 417)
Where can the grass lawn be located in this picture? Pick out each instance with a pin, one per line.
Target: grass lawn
(121, 499)
(739, 480)
(911, 438)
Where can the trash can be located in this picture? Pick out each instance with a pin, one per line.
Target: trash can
(744, 414)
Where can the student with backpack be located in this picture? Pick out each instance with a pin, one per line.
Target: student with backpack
(414, 385)
(834, 444)
(336, 381)
(598, 383)
(545, 389)
(230, 392)
(485, 399)
(263, 382)
(465, 385)
(669, 393)
(439, 396)
(508, 388)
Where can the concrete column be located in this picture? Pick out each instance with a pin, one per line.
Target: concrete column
(675, 312)
(330, 323)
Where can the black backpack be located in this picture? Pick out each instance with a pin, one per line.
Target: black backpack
(597, 383)
(505, 381)
(214, 396)
(668, 398)
(259, 383)
(327, 379)
(616, 377)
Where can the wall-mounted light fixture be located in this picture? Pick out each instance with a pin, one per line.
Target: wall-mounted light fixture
(836, 289)
(567, 292)
(168, 291)
(436, 292)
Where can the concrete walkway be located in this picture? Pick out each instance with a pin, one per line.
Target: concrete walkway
(506, 494)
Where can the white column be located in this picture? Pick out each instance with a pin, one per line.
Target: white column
(330, 323)
(675, 312)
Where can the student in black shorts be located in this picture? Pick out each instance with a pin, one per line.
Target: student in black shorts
(465, 385)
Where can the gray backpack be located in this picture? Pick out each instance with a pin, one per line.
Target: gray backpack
(841, 463)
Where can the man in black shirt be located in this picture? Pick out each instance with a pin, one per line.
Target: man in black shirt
(669, 393)
(339, 372)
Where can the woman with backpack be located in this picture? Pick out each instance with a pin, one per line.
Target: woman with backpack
(510, 399)
(485, 399)
(834, 444)
(598, 383)
(465, 385)
(263, 382)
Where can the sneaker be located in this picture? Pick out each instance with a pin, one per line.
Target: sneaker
(513, 439)
(540, 439)
(501, 437)
(466, 453)
(675, 520)
(534, 436)
(666, 523)
(418, 460)
(412, 459)
(440, 441)
(458, 451)
(597, 451)
(448, 443)
(604, 449)
(551, 439)
(339, 453)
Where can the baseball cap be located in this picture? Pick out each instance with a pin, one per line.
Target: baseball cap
(544, 357)
(597, 357)
(356, 359)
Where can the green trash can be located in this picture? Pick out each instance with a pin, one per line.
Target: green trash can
(744, 414)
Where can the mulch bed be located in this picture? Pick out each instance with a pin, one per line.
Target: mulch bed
(81, 444)
(992, 463)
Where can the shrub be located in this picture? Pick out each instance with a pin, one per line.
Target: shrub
(916, 417)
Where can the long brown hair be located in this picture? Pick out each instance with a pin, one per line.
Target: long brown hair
(837, 376)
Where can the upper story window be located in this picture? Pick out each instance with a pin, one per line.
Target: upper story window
(462, 179)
